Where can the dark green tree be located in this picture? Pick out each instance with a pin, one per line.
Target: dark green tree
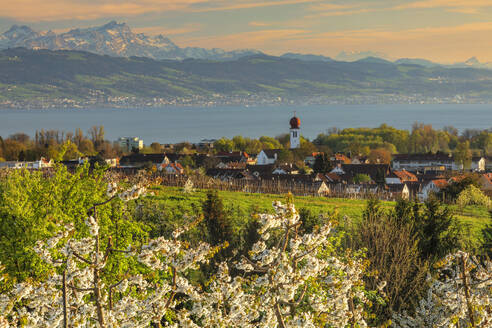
(438, 231)
(217, 223)
(362, 178)
(250, 235)
(322, 164)
(487, 238)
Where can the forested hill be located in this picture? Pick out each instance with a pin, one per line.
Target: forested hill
(42, 74)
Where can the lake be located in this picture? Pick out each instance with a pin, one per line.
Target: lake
(170, 125)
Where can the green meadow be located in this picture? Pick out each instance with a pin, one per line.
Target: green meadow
(241, 205)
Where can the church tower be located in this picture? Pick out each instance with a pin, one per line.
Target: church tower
(295, 136)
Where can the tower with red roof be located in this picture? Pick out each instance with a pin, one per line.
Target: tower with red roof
(295, 135)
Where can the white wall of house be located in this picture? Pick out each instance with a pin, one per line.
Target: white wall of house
(427, 190)
(478, 165)
(405, 193)
(263, 159)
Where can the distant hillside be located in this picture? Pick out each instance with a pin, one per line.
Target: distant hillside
(28, 75)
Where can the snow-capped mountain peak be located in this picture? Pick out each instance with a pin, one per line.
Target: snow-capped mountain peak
(114, 39)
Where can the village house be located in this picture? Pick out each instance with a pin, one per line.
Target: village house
(478, 164)
(416, 162)
(330, 178)
(398, 191)
(129, 144)
(486, 183)
(286, 169)
(237, 156)
(34, 165)
(432, 187)
(205, 144)
(354, 190)
(360, 160)
(229, 174)
(377, 172)
(171, 168)
(321, 188)
(259, 171)
(143, 160)
(231, 165)
(338, 158)
(400, 177)
(268, 156)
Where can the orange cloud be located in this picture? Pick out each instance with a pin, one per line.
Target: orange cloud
(51, 10)
(259, 24)
(465, 4)
(331, 9)
(443, 44)
(252, 4)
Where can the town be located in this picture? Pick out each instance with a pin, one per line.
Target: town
(288, 163)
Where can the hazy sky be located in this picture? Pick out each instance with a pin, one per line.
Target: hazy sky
(440, 30)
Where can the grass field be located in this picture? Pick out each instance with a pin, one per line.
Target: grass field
(474, 218)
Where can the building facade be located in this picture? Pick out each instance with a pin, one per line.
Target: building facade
(130, 143)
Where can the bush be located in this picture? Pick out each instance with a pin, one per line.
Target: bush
(393, 253)
(472, 195)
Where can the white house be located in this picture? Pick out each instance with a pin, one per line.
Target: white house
(171, 168)
(478, 164)
(433, 187)
(399, 190)
(268, 156)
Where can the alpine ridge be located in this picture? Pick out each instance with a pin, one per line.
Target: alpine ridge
(113, 39)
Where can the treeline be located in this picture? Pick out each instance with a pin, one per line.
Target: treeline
(421, 138)
(57, 145)
(377, 144)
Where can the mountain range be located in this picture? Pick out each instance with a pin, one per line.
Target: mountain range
(118, 40)
(112, 39)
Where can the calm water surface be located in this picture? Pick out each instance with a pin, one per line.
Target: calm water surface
(169, 125)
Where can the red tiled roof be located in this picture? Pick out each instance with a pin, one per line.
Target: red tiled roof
(440, 183)
(488, 176)
(405, 176)
(457, 178)
(176, 166)
(343, 158)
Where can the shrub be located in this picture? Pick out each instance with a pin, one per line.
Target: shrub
(472, 195)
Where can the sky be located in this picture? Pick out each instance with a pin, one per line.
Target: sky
(445, 31)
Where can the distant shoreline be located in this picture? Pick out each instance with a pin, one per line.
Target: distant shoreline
(177, 124)
(233, 104)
